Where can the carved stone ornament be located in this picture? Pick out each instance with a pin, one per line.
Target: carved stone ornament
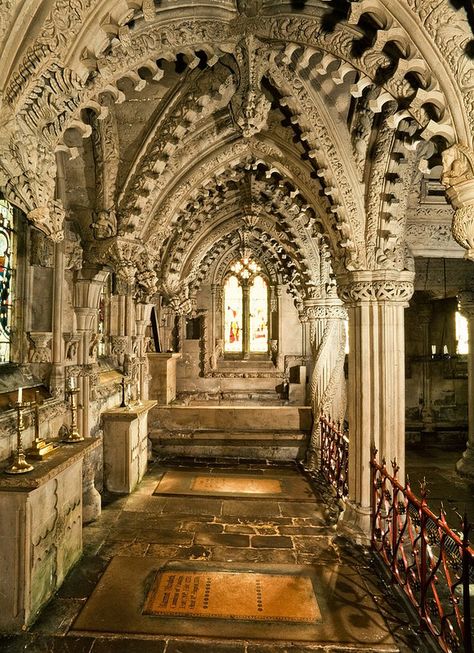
(71, 341)
(249, 105)
(41, 249)
(49, 219)
(105, 224)
(458, 177)
(118, 345)
(324, 312)
(40, 349)
(377, 286)
(73, 252)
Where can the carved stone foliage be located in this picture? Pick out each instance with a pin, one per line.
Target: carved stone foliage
(40, 347)
(375, 286)
(146, 279)
(458, 177)
(176, 293)
(27, 175)
(250, 107)
(427, 236)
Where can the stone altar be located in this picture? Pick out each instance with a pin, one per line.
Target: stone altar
(40, 533)
(125, 446)
(163, 377)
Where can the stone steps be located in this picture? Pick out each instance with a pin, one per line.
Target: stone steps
(253, 432)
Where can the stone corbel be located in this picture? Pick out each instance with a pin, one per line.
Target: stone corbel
(49, 219)
(40, 346)
(72, 342)
(458, 178)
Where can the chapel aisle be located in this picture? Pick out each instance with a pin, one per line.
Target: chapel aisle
(226, 557)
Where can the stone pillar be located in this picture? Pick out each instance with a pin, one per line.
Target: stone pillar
(57, 371)
(327, 391)
(465, 466)
(142, 319)
(279, 356)
(424, 316)
(212, 328)
(88, 286)
(376, 391)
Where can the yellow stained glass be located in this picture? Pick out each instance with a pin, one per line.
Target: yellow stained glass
(259, 315)
(233, 315)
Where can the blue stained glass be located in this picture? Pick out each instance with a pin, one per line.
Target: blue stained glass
(6, 278)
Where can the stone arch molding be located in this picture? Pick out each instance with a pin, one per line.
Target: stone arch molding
(84, 48)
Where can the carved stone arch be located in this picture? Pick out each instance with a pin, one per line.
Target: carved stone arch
(220, 267)
(228, 228)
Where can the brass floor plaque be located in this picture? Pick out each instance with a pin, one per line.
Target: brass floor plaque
(247, 486)
(236, 485)
(227, 595)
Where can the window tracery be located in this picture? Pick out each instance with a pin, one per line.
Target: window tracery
(246, 309)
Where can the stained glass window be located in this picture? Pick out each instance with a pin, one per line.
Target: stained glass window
(233, 315)
(258, 315)
(6, 278)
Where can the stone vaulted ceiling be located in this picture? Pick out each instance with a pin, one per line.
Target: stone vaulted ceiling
(171, 132)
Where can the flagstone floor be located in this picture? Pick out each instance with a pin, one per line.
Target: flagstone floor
(195, 527)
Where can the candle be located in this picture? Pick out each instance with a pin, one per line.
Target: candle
(433, 350)
(445, 349)
(20, 395)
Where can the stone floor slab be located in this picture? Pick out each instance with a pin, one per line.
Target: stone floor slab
(236, 485)
(347, 613)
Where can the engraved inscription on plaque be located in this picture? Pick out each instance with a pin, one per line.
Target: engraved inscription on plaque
(237, 485)
(230, 595)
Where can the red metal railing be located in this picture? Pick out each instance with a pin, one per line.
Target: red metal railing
(334, 455)
(431, 562)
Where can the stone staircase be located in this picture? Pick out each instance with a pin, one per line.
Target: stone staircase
(240, 432)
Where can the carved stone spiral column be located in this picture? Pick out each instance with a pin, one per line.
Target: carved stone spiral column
(327, 392)
(376, 389)
(465, 466)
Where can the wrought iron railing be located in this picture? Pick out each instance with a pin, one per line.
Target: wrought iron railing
(334, 455)
(431, 562)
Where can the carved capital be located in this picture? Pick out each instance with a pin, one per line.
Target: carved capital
(463, 228)
(49, 219)
(377, 286)
(466, 304)
(458, 177)
(323, 310)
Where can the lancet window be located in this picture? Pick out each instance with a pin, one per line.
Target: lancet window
(7, 266)
(246, 309)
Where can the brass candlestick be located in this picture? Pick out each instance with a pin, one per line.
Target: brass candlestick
(39, 449)
(19, 465)
(125, 385)
(73, 434)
